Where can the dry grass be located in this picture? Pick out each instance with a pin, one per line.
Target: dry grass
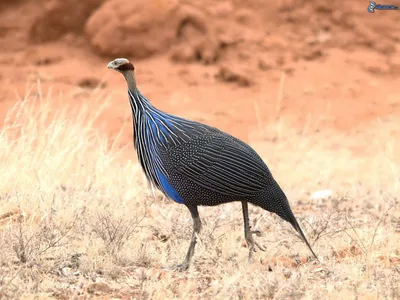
(78, 220)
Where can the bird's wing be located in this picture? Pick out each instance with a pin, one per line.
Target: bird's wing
(221, 163)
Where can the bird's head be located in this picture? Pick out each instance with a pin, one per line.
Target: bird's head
(123, 66)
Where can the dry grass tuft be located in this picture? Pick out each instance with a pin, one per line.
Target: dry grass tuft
(77, 220)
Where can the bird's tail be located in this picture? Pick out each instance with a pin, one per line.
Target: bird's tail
(276, 201)
(292, 220)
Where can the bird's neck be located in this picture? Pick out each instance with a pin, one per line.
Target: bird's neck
(139, 103)
(130, 80)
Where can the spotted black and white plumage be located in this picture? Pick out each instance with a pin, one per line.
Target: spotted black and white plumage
(196, 164)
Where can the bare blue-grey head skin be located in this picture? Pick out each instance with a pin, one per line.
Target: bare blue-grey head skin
(196, 164)
(123, 66)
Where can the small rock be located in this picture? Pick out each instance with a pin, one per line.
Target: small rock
(312, 55)
(266, 63)
(287, 273)
(91, 83)
(47, 60)
(99, 288)
(66, 271)
(322, 194)
(232, 74)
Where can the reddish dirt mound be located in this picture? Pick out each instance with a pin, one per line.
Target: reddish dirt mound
(337, 58)
(138, 28)
(142, 28)
(60, 17)
(253, 33)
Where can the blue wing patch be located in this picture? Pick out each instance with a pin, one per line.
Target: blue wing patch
(169, 190)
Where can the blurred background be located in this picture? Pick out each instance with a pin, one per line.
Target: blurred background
(232, 64)
(313, 86)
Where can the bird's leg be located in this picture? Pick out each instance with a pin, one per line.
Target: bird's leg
(196, 230)
(248, 234)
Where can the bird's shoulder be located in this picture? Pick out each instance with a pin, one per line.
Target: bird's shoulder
(197, 138)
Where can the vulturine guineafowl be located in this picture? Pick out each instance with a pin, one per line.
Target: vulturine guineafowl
(195, 164)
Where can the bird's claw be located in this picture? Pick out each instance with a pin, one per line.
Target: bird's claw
(257, 245)
(254, 243)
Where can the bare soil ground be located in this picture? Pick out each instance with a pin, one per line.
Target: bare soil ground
(313, 86)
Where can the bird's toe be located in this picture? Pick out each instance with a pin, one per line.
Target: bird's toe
(179, 267)
(262, 248)
(254, 245)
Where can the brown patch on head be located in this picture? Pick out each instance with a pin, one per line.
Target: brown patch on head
(126, 67)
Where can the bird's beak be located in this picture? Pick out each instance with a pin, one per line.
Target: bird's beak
(110, 65)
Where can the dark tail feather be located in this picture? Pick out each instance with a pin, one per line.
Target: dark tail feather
(292, 220)
(276, 201)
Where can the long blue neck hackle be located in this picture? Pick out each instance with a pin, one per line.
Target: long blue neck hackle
(154, 129)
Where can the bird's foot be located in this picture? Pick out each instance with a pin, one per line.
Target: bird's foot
(257, 245)
(180, 267)
(253, 244)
